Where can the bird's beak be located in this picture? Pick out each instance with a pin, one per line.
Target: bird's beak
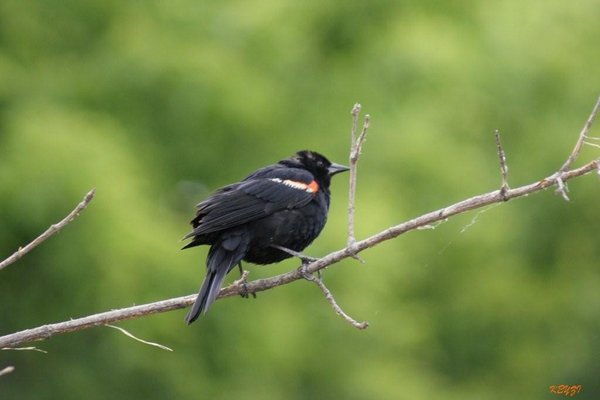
(336, 169)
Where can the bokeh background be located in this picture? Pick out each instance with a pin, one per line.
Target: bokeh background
(157, 103)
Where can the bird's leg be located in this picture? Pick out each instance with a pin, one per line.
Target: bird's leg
(304, 258)
(242, 281)
(305, 261)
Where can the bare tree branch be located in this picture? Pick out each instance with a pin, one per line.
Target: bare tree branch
(259, 285)
(423, 221)
(46, 331)
(50, 231)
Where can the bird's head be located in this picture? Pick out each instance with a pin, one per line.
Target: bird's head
(317, 164)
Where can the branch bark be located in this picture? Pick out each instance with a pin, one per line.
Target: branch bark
(425, 220)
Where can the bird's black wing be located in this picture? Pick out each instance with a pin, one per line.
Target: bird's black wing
(259, 195)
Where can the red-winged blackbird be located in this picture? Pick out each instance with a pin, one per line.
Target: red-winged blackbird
(282, 206)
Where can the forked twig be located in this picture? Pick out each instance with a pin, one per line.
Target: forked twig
(355, 149)
(561, 188)
(331, 300)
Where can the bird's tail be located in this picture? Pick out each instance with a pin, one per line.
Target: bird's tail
(222, 258)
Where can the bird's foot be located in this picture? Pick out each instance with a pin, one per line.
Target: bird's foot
(241, 282)
(304, 258)
(306, 274)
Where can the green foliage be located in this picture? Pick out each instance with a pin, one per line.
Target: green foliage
(157, 103)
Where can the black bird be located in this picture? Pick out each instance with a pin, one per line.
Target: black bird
(282, 206)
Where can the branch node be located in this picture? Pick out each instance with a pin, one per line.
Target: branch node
(353, 250)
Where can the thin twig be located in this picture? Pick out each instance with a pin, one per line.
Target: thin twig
(561, 188)
(503, 166)
(29, 348)
(7, 370)
(129, 334)
(50, 231)
(355, 149)
(331, 300)
(592, 144)
(352, 183)
(582, 136)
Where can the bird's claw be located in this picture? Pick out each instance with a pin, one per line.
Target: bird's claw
(241, 282)
(306, 274)
(245, 293)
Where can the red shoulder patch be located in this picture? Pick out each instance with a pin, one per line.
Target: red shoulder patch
(312, 187)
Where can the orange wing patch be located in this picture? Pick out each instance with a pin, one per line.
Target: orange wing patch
(312, 187)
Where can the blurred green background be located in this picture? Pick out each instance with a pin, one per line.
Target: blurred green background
(157, 103)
